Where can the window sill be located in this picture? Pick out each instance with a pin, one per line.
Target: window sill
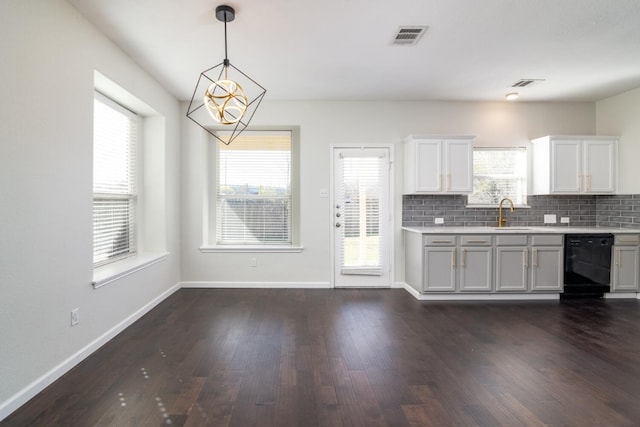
(250, 249)
(111, 272)
(507, 207)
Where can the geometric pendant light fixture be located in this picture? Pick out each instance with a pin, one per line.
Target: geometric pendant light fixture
(224, 98)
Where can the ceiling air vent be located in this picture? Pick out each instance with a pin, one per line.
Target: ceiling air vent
(526, 82)
(409, 35)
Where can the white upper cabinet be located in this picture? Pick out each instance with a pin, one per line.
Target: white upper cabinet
(436, 165)
(574, 165)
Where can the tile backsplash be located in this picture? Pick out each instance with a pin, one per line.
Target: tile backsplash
(583, 210)
(621, 210)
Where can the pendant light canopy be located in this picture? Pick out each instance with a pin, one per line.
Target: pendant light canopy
(224, 95)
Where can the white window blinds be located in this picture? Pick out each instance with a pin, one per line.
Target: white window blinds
(361, 192)
(114, 181)
(499, 173)
(253, 194)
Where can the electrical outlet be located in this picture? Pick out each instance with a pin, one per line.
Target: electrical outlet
(439, 220)
(253, 262)
(324, 193)
(75, 316)
(550, 219)
(564, 220)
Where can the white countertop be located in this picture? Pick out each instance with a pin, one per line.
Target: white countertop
(519, 230)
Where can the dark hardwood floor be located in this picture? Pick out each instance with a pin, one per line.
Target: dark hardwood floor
(355, 358)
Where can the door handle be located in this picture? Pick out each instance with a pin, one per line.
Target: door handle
(535, 258)
(525, 255)
(463, 256)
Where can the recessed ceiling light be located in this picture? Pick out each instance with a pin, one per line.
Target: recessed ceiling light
(512, 96)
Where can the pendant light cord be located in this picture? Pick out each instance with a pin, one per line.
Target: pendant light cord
(226, 60)
(225, 37)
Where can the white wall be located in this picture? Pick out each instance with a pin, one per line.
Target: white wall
(620, 116)
(325, 123)
(49, 53)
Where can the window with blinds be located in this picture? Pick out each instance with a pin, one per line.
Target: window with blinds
(360, 193)
(253, 191)
(114, 181)
(499, 173)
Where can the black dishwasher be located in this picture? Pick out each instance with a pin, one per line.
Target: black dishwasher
(587, 264)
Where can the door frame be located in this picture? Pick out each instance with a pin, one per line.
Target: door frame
(332, 242)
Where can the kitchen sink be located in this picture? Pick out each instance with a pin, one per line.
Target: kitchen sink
(511, 228)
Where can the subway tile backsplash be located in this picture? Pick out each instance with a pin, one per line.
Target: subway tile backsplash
(621, 211)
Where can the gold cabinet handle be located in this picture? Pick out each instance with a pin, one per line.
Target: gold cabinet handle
(453, 258)
(448, 182)
(588, 182)
(462, 261)
(441, 241)
(535, 258)
(477, 241)
(525, 255)
(618, 261)
(439, 182)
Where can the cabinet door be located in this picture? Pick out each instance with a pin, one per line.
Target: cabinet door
(566, 166)
(599, 171)
(511, 268)
(475, 269)
(439, 269)
(458, 166)
(546, 268)
(626, 264)
(428, 165)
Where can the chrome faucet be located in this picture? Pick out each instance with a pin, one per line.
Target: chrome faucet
(502, 220)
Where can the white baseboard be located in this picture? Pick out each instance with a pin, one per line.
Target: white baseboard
(412, 291)
(24, 395)
(480, 297)
(257, 285)
(622, 295)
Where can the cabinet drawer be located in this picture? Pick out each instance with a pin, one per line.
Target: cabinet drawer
(627, 239)
(439, 240)
(512, 240)
(546, 240)
(475, 240)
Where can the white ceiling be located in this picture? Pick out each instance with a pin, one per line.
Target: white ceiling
(342, 49)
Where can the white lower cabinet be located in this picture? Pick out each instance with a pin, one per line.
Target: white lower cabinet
(529, 263)
(475, 264)
(626, 263)
(511, 268)
(439, 269)
(547, 268)
(501, 263)
(457, 264)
